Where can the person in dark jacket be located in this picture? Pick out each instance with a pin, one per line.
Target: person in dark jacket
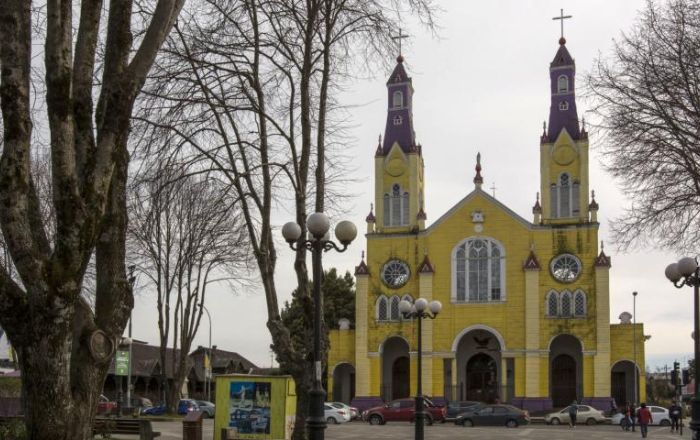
(573, 411)
(674, 411)
(633, 415)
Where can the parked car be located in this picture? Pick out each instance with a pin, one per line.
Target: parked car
(458, 407)
(335, 415)
(207, 408)
(494, 415)
(105, 406)
(659, 416)
(585, 414)
(154, 410)
(354, 412)
(185, 406)
(403, 410)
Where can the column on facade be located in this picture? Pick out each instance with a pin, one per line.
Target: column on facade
(362, 366)
(601, 360)
(533, 305)
(425, 290)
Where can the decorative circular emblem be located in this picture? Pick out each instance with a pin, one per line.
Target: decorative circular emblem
(565, 268)
(395, 273)
(564, 155)
(101, 346)
(395, 167)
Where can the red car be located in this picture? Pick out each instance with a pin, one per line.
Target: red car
(403, 410)
(105, 406)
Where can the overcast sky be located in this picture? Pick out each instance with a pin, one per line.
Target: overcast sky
(481, 85)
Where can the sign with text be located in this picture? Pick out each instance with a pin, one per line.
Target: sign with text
(121, 363)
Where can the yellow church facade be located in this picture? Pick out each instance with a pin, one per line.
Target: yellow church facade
(525, 316)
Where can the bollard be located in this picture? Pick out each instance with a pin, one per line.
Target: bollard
(192, 426)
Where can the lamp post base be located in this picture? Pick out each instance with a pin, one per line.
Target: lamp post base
(420, 418)
(694, 424)
(316, 421)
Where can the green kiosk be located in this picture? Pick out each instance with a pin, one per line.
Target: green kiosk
(254, 407)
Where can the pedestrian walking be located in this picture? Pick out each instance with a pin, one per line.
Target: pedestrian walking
(644, 418)
(633, 415)
(675, 412)
(573, 411)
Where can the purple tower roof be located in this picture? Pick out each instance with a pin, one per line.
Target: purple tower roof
(562, 113)
(399, 118)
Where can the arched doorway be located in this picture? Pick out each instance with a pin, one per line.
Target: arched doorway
(566, 370)
(344, 383)
(400, 374)
(563, 380)
(622, 382)
(478, 359)
(396, 370)
(482, 378)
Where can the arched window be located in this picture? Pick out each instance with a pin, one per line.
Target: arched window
(565, 197)
(579, 303)
(563, 106)
(562, 84)
(552, 304)
(566, 304)
(382, 309)
(478, 271)
(395, 315)
(397, 100)
(396, 207)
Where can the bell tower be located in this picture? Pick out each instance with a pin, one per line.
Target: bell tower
(563, 148)
(398, 162)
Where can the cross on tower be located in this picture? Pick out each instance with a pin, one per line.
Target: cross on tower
(493, 189)
(562, 17)
(398, 38)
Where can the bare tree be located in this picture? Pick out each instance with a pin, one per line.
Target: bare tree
(186, 234)
(247, 88)
(64, 346)
(648, 99)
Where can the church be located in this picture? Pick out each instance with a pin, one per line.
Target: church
(525, 301)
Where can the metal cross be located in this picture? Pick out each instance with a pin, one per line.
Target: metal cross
(562, 17)
(398, 38)
(493, 188)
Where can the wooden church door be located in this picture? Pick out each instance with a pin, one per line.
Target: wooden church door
(563, 380)
(400, 386)
(482, 378)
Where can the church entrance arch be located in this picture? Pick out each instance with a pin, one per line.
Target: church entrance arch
(622, 382)
(343, 383)
(396, 370)
(482, 378)
(566, 370)
(478, 358)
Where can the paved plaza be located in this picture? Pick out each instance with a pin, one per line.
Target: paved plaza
(404, 431)
(358, 430)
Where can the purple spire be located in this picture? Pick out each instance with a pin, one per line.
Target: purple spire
(399, 118)
(562, 113)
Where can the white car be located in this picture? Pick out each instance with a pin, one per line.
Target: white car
(354, 412)
(659, 416)
(585, 415)
(336, 415)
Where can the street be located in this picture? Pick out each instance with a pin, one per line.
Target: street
(360, 430)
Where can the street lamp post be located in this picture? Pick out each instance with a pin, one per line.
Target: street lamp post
(634, 348)
(207, 372)
(687, 273)
(132, 282)
(318, 225)
(420, 310)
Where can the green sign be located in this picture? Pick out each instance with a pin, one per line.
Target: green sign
(121, 363)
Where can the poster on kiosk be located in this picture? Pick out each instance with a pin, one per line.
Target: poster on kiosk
(254, 407)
